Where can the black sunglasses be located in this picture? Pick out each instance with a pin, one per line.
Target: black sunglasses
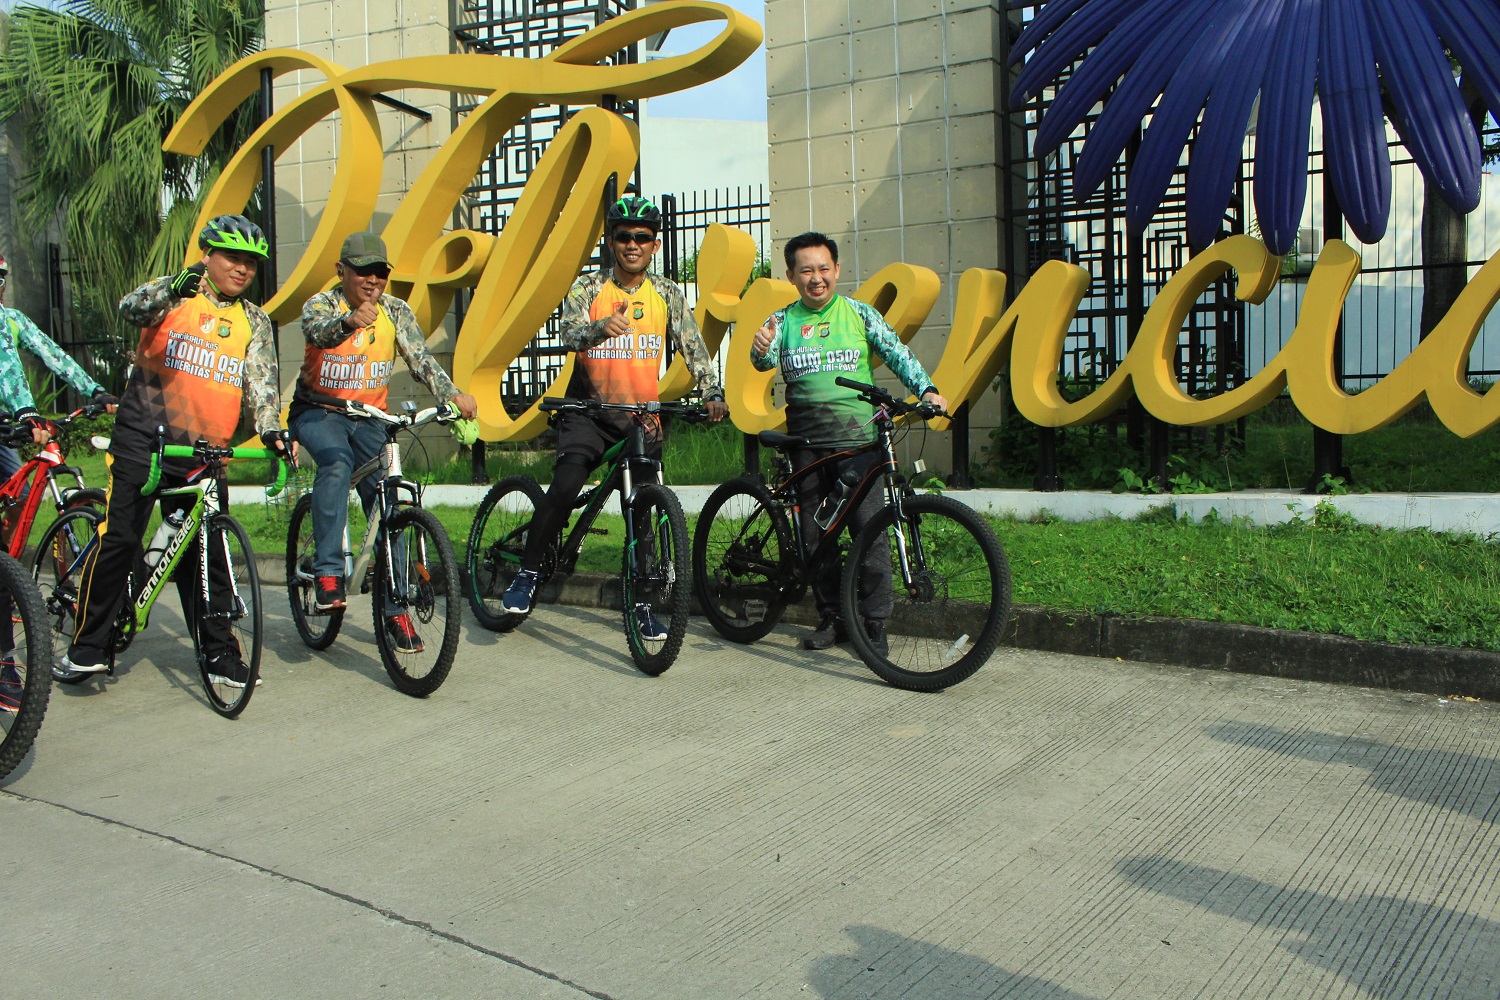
(378, 270)
(639, 239)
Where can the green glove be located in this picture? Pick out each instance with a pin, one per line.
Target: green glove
(185, 285)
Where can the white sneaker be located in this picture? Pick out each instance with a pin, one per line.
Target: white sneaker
(84, 666)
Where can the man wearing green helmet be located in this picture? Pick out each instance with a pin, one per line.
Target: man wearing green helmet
(204, 354)
(604, 310)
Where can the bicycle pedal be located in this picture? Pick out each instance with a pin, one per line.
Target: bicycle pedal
(754, 611)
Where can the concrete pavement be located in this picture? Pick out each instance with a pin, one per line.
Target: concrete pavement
(759, 821)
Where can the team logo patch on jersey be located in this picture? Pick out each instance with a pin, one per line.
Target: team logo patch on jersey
(206, 323)
(225, 329)
(807, 331)
(640, 312)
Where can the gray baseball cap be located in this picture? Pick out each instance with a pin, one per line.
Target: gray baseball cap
(364, 249)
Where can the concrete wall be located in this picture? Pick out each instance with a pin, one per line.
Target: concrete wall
(883, 134)
(356, 33)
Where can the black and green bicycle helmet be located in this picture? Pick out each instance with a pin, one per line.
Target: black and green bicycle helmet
(234, 232)
(634, 211)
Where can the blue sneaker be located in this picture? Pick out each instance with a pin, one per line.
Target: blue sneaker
(11, 686)
(646, 624)
(520, 596)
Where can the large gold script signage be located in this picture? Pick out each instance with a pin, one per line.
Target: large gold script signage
(520, 277)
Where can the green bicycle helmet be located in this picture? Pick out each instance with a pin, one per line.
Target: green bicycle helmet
(234, 232)
(634, 211)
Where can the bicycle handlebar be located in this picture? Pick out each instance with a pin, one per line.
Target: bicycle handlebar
(15, 434)
(896, 407)
(444, 413)
(685, 411)
(205, 451)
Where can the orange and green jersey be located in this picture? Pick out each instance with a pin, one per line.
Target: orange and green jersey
(358, 368)
(197, 360)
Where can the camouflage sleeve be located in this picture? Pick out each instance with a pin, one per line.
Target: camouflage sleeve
(578, 332)
(682, 326)
(261, 383)
(323, 319)
(896, 355)
(38, 343)
(412, 343)
(149, 303)
(15, 390)
(765, 362)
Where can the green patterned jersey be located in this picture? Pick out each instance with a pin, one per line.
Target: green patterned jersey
(815, 347)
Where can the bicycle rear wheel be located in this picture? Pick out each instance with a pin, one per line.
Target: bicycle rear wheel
(654, 580)
(496, 541)
(948, 621)
(57, 568)
(25, 681)
(318, 630)
(416, 601)
(742, 549)
(234, 616)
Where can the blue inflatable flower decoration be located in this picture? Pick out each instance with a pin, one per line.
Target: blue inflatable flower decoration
(1212, 58)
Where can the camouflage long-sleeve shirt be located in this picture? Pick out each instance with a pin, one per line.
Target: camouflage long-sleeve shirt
(579, 332)
(144, 405)
(17, 331)
(323, 326)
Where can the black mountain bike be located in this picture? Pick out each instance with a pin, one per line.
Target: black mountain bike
(654, 567)
(952, 582)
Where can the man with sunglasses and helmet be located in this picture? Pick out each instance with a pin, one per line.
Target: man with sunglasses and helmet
(618, 321)
(354, 332)
(18, 331)
(205, 354)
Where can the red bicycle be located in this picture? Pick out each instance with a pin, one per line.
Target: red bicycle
(21, 496)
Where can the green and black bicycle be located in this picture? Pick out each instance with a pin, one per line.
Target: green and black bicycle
(654, 568)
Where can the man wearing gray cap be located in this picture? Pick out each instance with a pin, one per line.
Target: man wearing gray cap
(354, 332)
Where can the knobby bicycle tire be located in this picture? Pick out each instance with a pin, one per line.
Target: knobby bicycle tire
(244, 618)
(425, 590)
(58, 572)
(318, 630)
(27, 676)
(742, 558)
(948, 623)
(654, 578)
(497, 539)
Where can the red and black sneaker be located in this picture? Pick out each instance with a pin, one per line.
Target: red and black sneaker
(329, 593)
(402, 635)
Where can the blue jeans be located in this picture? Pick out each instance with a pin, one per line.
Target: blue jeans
(339, 445)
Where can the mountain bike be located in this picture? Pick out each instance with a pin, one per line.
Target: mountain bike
(414, 581)
(228, 586)
(952, 581)
(654, 566)
(24, 682)
(41, 476)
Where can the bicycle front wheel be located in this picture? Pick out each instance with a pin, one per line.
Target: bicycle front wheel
(317, 629)
(654, 580)
(57, 568)
(25, 674)
(228, 633)
(741, 549)
(497, 540)
(948, 620)
(416, 601)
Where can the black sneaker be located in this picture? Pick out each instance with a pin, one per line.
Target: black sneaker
(646, 624)
(402, 634)
(228, 670)
(829, 632)
(875, 630)
(11, 686)
(330, 594)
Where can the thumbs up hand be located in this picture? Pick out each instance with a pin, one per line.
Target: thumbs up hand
(617, 323)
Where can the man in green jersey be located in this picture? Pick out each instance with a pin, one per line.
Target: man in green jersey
(814, 341)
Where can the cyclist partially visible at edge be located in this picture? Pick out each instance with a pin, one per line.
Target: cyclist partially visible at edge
(618, 321)
(204, 352)
(816, 340)
(353, 333)
(18, 331)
